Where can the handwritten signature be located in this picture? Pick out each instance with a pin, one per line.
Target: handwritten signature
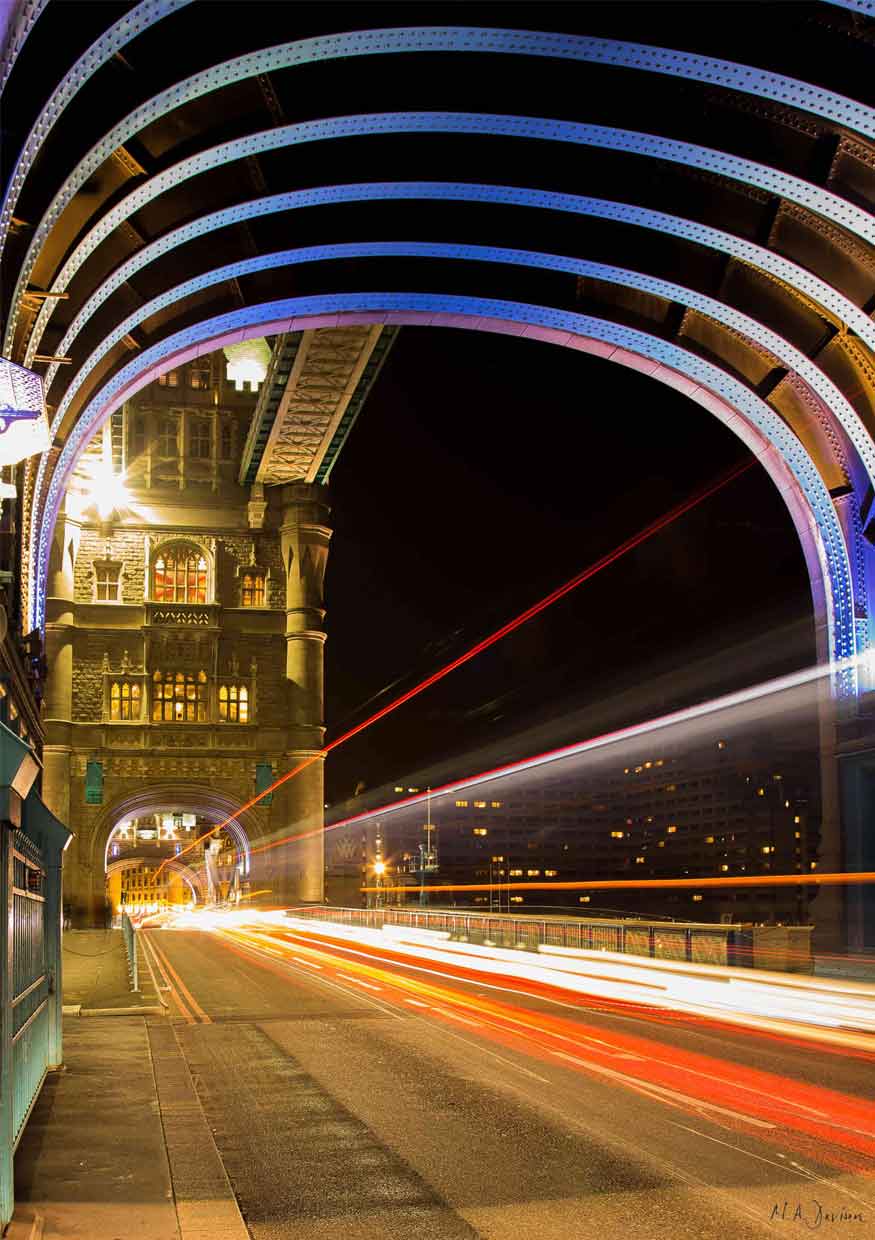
(812, 1214)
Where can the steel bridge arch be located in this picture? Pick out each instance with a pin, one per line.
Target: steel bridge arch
(754, 421)
(838, 211)
(829, 105)
(840, 419)
(774, 265)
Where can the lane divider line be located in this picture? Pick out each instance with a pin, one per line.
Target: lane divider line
(148, 959)
(193, 1003)
(175, 995)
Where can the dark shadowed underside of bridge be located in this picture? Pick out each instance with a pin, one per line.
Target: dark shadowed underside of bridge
(686, 189)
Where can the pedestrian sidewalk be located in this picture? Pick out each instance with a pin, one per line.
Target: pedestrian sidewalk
(92, 1163)
(117, 1146)
(96, 978)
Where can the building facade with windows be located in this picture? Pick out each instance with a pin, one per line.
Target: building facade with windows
(727, 805)
(174, 683)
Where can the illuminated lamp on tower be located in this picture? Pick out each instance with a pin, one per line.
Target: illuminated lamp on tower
(247, 362)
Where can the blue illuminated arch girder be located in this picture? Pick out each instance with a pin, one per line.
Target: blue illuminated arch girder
(796, 277)
(561, 324)
(845, 214)
(835, 108)
(839, 408)
(845, 418)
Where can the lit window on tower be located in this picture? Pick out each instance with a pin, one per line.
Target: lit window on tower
(106, 581)
(179, 697)
(180, 576)
(252, 590)
(234, 703)
(124, 700)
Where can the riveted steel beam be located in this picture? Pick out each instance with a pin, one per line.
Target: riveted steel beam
(833, 208)
(808, 286)
(561, 326)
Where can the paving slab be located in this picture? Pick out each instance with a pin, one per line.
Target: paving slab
(92, 1160)
(96, 977)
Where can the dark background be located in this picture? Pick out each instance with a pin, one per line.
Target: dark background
(486, 470)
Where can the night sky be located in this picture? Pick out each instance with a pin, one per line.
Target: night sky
(486, 470)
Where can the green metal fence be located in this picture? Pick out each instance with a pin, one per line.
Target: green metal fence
(31, 847)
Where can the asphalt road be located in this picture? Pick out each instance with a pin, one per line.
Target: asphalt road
(352, 1097)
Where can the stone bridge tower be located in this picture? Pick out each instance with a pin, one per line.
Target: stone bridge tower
(184, 638)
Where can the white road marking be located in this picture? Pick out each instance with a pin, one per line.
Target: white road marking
(663, 1092)
(452, 1015)
(358, 982)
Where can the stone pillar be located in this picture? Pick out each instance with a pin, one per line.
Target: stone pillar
(305, 536)
(58, 708)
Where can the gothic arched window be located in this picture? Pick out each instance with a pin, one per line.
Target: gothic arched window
(179, 575)
(252, 589)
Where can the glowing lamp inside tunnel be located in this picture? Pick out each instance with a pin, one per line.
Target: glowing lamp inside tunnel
(247, 362)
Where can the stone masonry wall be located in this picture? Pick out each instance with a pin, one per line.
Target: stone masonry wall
(236, 552)
(125, 546)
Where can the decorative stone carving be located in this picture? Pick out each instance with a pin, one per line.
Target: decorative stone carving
(328, 365)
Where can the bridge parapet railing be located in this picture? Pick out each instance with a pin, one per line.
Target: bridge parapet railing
(130, 936)
(785, 948)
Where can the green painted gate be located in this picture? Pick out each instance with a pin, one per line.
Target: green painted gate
(32, 842)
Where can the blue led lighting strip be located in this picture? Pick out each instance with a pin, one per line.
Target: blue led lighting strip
(101, 51)
(794, 189)
(797, 278)
(250, 319)
(858, 6)
(794, 359)
(17, 28)
(835, 108)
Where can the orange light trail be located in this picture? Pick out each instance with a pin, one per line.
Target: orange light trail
(511, 626)
(612, 884)
(814, 1121)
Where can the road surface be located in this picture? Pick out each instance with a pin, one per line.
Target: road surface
(352, 1096)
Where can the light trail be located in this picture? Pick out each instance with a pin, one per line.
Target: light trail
(702, 710)
(667, 518)
(810, 1120)
(632, 884)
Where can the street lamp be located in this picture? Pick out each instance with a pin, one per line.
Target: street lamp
(379, 871)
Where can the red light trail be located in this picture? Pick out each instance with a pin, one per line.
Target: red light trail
(611, 557)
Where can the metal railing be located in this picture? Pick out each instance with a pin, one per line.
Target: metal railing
(131, 947)
(736, 945)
